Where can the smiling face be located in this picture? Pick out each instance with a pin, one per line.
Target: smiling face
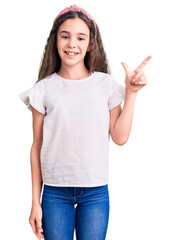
(73, 41)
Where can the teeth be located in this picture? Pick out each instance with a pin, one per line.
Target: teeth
(71, 54)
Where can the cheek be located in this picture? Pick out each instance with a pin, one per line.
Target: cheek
(59, 48)
(84, 46)
(59, 44)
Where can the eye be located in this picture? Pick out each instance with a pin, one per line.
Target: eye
(81, 39)
(64, 37)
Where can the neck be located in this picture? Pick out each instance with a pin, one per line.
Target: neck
(76, 72)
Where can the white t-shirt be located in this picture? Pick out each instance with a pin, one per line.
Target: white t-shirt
(76, 135)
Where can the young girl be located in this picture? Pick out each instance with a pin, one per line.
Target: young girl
(76, 106)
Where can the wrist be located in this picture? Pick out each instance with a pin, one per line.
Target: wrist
(35, 203)
(128, 91)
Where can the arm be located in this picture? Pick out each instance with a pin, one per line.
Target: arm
(35, 156)
(36, 175)
(121, 119)
(36, 211)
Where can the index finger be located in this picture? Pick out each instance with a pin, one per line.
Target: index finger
(141, 66)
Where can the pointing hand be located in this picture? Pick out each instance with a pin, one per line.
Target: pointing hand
(137, 79)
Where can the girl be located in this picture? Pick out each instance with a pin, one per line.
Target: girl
(76, 106)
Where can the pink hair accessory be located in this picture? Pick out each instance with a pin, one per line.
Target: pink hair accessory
(78, 9)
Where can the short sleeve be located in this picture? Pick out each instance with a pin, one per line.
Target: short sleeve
(117, 93)
(34, 97)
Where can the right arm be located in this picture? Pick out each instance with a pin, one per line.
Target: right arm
(36, 212)
(35, 156)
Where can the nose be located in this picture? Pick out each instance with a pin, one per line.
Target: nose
(71, 42)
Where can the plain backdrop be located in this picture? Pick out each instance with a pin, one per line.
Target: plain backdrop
(139, 181)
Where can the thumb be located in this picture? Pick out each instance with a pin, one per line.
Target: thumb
(126, 68)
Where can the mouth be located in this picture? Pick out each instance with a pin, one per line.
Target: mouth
(71, 53)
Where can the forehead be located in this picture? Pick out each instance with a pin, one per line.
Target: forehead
(74, 25)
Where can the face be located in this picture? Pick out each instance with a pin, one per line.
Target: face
(73, 41)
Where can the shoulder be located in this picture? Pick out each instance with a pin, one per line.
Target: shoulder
(102, 74)
(106, 77)
(45, 82)
(46, 79)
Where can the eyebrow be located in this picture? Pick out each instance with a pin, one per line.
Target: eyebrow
(77, 33)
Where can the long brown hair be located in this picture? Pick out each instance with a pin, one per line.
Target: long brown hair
(95, 59)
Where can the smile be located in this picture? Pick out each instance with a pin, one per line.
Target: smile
(71, 53)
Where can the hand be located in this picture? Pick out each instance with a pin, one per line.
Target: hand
(135, 80)
(35, 220)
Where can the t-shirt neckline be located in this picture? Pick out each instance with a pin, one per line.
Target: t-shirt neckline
(75, 80)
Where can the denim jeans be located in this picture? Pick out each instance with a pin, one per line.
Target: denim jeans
(85, 209)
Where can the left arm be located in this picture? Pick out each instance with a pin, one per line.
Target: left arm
(121, 119)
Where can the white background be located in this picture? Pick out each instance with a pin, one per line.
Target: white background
(139, 184)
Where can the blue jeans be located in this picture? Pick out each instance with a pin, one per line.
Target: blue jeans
(89, 218)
